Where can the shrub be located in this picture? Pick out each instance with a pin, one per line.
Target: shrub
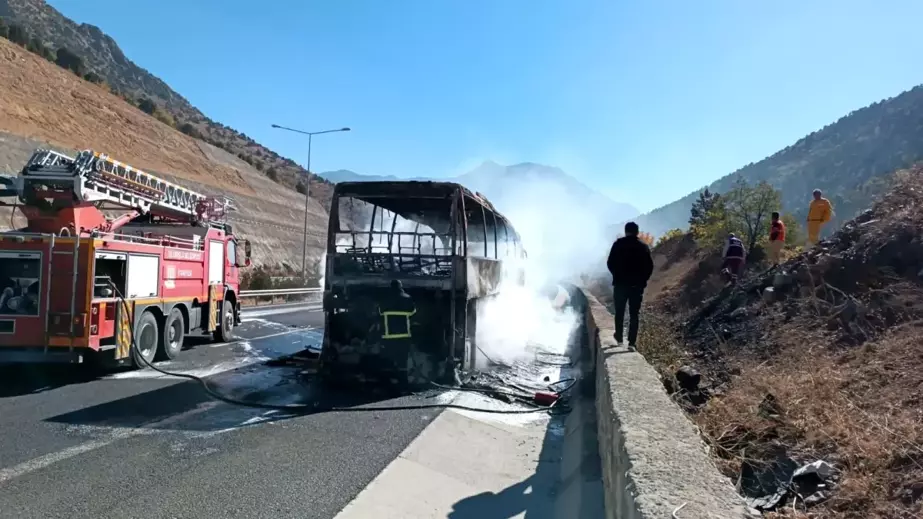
(93, 77)
(272, 174)
(672, 234)
(190, 130)
(164, 117)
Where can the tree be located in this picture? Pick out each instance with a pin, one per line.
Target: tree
(147, 106)
(744, 210)
(93, 77)
(646, 237)
(70, 61)
(4, 29)
(749, 209)
(701, 207)
(190, 130)
(35, 46)
(18, 34)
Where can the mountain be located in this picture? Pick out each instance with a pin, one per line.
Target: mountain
(848, 160)
(345, 175)
(510, 186)
(43, 105)
(102, 59)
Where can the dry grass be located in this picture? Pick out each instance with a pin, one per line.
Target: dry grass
(859, 410)
(837, 407)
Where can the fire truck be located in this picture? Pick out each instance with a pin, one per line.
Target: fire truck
(115, 264)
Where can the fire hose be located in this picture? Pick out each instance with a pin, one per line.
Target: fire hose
(553, 406)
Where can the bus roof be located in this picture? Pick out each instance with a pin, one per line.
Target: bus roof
(411, 189)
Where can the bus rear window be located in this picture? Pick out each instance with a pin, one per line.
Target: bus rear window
(20, 283)
(402, 226)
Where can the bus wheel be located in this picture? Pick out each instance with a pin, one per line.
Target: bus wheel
(146, 337)
(224, 333)
(174, 332)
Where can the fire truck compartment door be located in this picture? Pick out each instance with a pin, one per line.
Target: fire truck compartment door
(215, 262)
(143, 276)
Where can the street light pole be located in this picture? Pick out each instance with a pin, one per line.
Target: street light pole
(307, 193)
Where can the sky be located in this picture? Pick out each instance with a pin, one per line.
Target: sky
(643, 100)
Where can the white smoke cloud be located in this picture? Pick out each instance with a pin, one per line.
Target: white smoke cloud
(564, 238)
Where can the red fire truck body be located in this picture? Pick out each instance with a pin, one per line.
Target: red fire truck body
(75, 284)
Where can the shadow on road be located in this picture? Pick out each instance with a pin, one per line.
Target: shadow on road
(254, 383)
(24, 379)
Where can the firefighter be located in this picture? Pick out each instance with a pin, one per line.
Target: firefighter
(396, 310)
(819, 213)
(734, 255)
(776, 238)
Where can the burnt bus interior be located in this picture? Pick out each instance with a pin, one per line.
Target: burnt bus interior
(425, 234)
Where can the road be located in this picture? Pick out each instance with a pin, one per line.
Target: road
(137, 444)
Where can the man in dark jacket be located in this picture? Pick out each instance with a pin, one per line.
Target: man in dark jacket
(631, 265)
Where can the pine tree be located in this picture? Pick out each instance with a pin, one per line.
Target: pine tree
(701, 207)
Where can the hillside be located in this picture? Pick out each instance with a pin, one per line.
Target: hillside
(845, 159)
(43, 105)
(509, 187)
(102, 56)
(815, 361)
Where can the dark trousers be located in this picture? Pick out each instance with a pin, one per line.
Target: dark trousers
(632, 297)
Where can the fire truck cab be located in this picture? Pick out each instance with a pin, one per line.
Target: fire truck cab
(77, 284)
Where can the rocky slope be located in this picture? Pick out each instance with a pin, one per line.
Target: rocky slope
(102, 55)
(44, 105)
(817, 360)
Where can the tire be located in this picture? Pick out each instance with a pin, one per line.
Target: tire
(172, 335)
(146, 338)
(225, 330)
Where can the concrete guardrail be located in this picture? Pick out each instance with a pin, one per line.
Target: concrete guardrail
(253, 297)
(654, 463)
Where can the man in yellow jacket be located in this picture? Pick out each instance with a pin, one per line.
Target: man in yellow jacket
(819, 213)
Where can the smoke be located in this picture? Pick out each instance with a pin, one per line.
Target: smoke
(564, 236)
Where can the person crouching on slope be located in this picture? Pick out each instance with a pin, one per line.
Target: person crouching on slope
(819, 213)
(631, 266)
(734, 255)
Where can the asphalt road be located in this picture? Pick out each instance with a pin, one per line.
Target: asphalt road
(137, 444)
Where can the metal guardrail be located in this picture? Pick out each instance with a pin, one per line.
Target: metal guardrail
(279, 292)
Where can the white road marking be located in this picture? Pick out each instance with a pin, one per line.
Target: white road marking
(115, 435)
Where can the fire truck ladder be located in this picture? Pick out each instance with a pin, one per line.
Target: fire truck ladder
(95, 177)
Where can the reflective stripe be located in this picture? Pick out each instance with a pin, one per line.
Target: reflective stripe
(405, 315)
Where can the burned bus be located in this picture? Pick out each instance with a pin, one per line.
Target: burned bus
(407, 265)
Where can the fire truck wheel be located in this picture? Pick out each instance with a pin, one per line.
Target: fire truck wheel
(174, 332)
(146, 336)
(226, 323)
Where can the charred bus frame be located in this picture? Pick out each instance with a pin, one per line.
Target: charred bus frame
(460, 250)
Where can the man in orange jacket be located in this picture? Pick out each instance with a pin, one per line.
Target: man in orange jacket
(819, 213)
(776, 238)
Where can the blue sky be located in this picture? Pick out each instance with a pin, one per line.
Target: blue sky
(644, 100)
